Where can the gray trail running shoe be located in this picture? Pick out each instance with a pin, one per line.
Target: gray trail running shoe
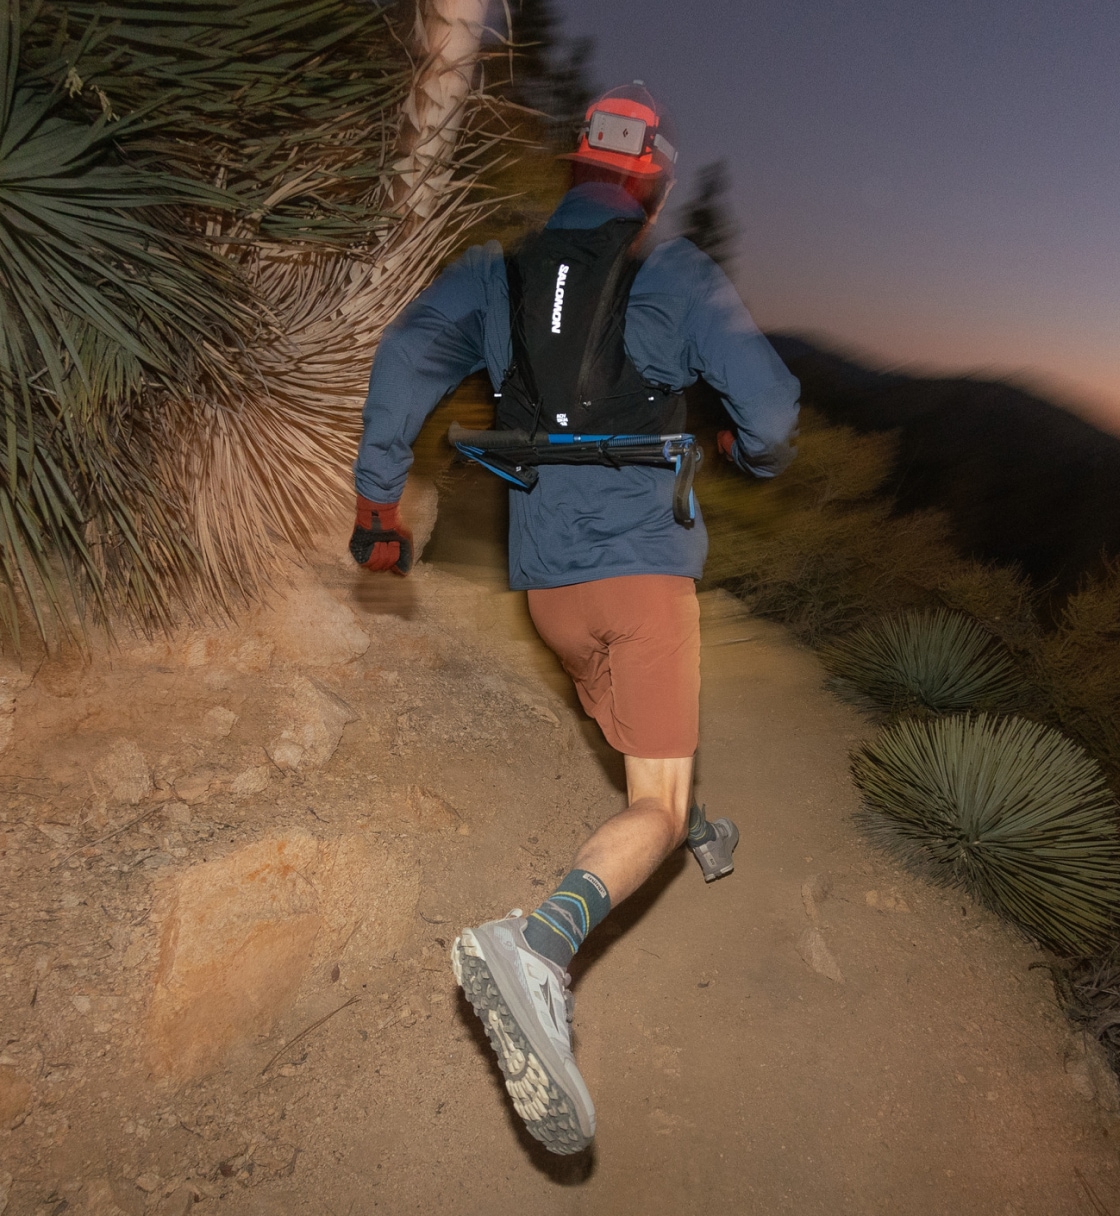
(715, 856)
(525, 1008)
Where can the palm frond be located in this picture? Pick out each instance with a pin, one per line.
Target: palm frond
(203, 232)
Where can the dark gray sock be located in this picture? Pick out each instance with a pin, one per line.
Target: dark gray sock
(557, 928)
(700, 831)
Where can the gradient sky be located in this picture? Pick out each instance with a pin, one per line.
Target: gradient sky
(934, 185)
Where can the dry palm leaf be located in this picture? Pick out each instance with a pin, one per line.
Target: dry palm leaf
(207, 217)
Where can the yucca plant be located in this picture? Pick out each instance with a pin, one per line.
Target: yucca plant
(932, 659)
(1009, 810)
(208, 213)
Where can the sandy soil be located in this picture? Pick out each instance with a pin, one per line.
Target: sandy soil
(819, 1033)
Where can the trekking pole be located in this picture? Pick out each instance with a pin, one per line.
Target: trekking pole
(515, 456)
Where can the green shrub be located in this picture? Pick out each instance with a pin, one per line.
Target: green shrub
(1078, 668)
(820, 549)
(1008, 809)
(934, 659)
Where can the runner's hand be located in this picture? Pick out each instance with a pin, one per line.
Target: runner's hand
(380, 540)
(725, 442)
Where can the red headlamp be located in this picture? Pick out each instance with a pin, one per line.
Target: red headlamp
(624, 133)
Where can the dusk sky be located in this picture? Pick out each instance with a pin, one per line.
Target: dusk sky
(931, 185)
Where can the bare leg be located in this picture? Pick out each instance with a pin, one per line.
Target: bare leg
(627, 849)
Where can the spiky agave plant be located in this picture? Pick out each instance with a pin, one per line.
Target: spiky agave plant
(1009, 810)
(936, 659)
(208, 213)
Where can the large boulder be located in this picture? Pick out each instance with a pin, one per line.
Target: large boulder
(240, 934)
(235, 946)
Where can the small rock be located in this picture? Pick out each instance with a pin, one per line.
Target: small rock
(194, 787)
(218, 722)
(815, 890)
(816, 954)
(253, 655)
(100, 1200)
(179, 1202)
(148, 1182)
(135, 953)
(286, 754)
(81, 1003)
(253, 780)
(15, 1097)
(316, 719)
(1087, 1068)
(178, 813)
(886, 901)
(202, 650)
(125, 773)
(277, 1160)
(529, 699)
(819, 887)
(57, 833)
(429, 812)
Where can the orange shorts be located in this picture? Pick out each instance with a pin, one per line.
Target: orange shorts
(632, 646)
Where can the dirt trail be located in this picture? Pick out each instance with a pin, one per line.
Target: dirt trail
(926, 1074)
(819, 1033)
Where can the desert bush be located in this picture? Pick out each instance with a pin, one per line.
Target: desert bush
(821, 550)
(1077, 668)
(932, 659)
(1008, 809)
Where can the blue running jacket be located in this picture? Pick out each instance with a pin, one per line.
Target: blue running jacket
(684, 319)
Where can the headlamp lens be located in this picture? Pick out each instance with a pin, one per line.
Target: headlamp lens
(617, 133)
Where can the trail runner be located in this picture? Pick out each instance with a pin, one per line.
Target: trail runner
(600, 342)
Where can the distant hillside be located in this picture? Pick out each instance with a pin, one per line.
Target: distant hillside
(1021, 479)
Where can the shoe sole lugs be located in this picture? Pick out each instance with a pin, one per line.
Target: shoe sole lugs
(541, 1103)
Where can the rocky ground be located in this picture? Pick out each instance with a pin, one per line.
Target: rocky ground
(232, 865)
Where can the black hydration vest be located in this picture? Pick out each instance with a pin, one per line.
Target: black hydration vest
(568, 290)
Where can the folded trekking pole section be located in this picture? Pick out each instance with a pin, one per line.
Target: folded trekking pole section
(514, 456)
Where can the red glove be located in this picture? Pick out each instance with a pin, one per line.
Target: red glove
(380, 540)
(725, 440)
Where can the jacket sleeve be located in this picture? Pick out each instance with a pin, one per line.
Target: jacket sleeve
(424, 354)
(734, 357)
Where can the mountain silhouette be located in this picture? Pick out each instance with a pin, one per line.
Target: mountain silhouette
(1021, 479)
